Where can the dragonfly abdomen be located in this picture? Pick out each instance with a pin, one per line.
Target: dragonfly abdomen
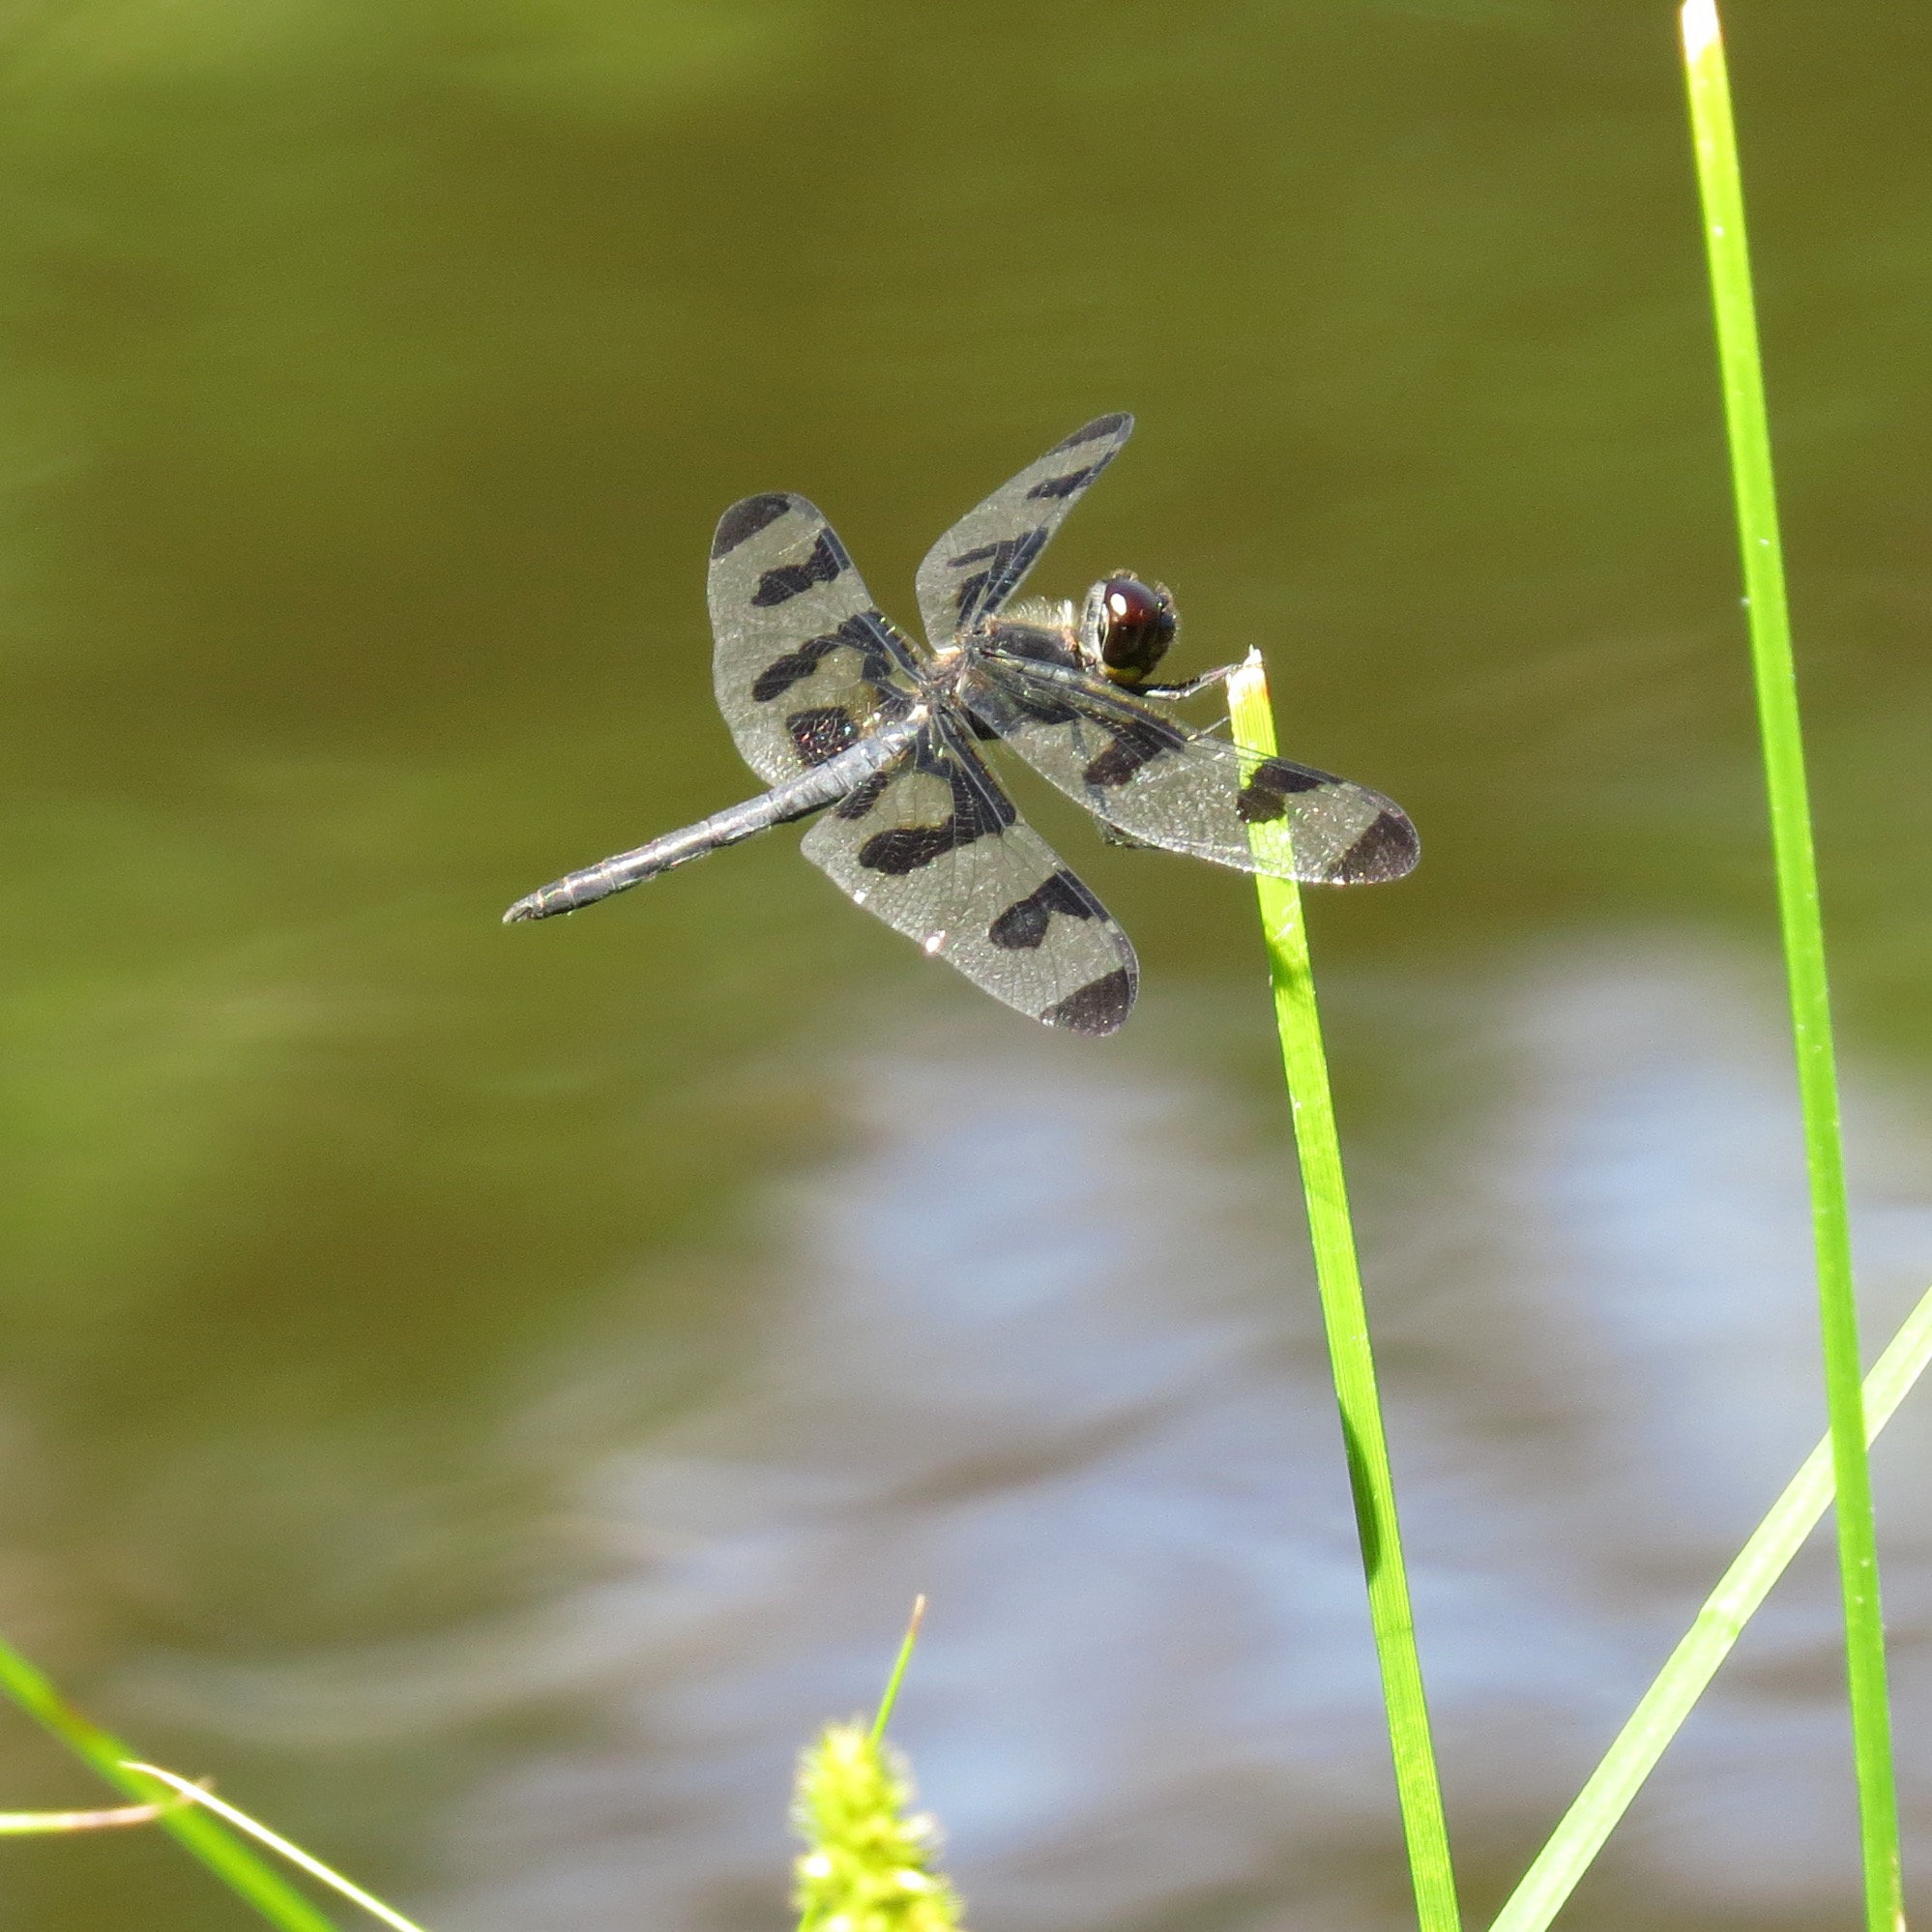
(798, 797)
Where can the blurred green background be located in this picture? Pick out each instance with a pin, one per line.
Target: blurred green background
(484, 1396)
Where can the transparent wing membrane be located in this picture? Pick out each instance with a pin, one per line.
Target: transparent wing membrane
(979, 564)
(1147, 775)
(936, 849)
(805, 664)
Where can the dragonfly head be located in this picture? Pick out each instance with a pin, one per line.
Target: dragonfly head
(1126, 628)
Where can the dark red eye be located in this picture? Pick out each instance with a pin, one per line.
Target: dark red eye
(1137, 624)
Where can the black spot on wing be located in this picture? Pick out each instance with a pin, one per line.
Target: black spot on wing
(783, 673)
(1022, 926)
(827, 561)
(1135, 741)
(822, 732)
(1007, 562)
(905, 848)
(1000, 552)
(1088, 432)
(745, 519)
(1265, 797)
(863, 797)
(1102, 1005)
(977, 802)
(980, 808)
(1387, 850)
(862, 633)
(1071, 484)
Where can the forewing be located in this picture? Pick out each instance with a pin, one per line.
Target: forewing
(979, 562)
(1144, 773)
(936, 849)
(804, 662)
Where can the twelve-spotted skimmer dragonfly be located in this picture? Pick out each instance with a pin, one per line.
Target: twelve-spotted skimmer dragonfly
(840, 713)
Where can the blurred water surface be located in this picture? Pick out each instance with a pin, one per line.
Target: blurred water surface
(487, 1395)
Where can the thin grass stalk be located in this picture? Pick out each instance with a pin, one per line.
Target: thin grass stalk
(276, 1842)
(233, 1863)
(119, 1817)
(884, 1715)
(1722, 192)
(1607, 1794)
(1338, 1277)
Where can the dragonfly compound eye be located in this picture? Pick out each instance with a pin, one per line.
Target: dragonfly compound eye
(1137, 624)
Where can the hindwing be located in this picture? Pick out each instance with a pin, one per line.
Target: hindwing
(936, 849)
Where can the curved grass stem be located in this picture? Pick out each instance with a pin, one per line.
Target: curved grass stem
(263, 1887)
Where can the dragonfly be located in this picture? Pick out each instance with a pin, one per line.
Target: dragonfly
(850, 722)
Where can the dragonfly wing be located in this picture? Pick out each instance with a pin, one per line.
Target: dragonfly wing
(1147, 775)
(972, 570)
(936, 849)
(805, 664)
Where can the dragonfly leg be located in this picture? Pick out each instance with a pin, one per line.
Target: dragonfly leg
(1193, 687)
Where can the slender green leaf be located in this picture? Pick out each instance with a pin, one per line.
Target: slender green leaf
(1339, 1280)
(1656, 1719)
(265, 1888)
(1745, 415)
(282, 1847)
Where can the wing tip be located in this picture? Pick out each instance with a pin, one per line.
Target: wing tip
(746, 518)
(1390, 849)
(1120, 424)
(1098, 1008)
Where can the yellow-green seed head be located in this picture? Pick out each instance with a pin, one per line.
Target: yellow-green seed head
(868, 1863)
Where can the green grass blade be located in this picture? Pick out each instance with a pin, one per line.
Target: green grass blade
(1722, 193)
(238, 1867)
(1332, 1235)
(282, 1847)
(1656, 1719)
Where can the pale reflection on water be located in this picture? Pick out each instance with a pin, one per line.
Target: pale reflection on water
(1043, 1343)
